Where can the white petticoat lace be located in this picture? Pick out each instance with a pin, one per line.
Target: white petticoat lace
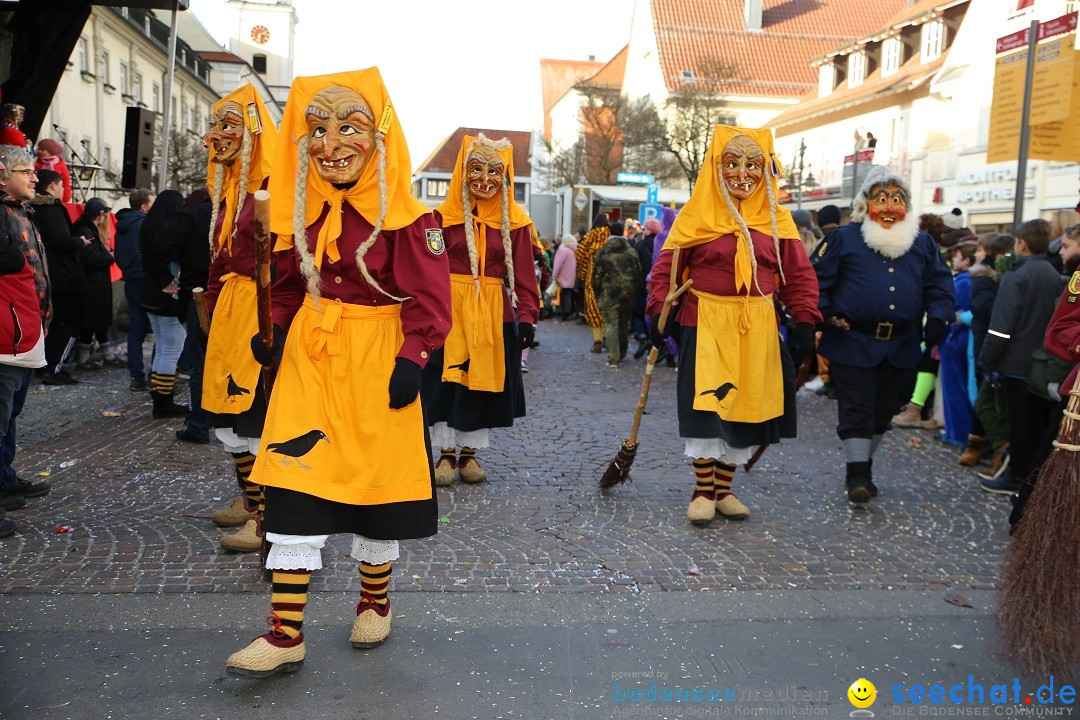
(716, 448)
(295, 552)
(444, 436)
(374, 552)
(235, 443)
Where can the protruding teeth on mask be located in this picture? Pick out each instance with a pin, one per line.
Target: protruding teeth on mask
(343, 162)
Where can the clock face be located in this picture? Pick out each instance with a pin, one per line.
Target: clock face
(260, 34)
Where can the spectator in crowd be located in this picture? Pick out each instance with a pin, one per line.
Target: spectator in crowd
(988, 427)
(1022, 309)
(160, 299)
(182, 243)
(563, 276)
(644, 248)
(10, 134)
(829, 220)
(957, 373)
(128, 224)
(933, 225)
(24, 283)
(63, 252)
(97, 297)
(615, 276)
(50, 156)
(804, 221)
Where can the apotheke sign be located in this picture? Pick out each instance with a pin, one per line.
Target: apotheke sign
(1002, 182)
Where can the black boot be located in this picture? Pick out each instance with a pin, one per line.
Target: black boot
(870, 478)
(858, 482)
(164, 407)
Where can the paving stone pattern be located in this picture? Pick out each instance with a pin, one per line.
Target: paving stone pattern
(140, 502)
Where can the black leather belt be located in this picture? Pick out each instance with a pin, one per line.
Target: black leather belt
(884, 330)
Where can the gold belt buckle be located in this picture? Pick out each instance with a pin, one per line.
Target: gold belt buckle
(883, 331)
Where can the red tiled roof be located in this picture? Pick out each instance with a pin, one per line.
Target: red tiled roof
(558, 76)
(771, 62)
(444, 156)
(611, 75)
(212, 56)
(916, 14)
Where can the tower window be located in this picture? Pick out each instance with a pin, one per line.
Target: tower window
(258, 62)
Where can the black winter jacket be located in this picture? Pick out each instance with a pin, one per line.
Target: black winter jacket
(63, 246)
(1024, 305)
(128, 257)
(185, 241)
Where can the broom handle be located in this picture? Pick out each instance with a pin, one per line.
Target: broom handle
(1069, 419)
(262, 281)
(654, 353)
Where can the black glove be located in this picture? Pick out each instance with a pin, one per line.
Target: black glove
(656, 337)
(404, 383)
(802, 343)
(934, 332)
(527, 333)
(261, 355)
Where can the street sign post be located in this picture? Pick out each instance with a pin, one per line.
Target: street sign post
(634, 178)
(649, 211)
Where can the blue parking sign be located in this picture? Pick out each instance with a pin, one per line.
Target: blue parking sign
(649, 210)
(652, 193)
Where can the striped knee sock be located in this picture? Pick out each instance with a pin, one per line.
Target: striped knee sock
(467, 453)
(703, 474)
(374, 581)
(244, 461)
(724, 475)
(287, 600)
(162, 384)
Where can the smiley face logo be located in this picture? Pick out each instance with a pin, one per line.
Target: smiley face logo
(862, 693)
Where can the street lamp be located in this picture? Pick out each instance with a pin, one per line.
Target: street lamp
(795, 181)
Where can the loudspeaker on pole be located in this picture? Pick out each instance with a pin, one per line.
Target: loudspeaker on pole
(138, 149)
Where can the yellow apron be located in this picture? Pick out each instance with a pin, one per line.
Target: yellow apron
(329, 429)
(231, 373)
(473, 353)
(738, 374)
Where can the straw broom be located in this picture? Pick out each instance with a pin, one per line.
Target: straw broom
(1039, 592)
(619, 469)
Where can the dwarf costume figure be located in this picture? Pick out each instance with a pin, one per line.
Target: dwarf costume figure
(360, 302)
(585, 255)
(474, 382)
(736, 384)
(878, 276)
(241, 139)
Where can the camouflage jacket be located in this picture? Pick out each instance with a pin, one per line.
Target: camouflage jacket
(616, 273)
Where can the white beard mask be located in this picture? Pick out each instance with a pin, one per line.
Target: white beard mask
(892, 242)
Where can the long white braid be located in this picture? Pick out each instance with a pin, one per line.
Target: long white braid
(219, 178)
(508, 248)
(247, 152)
(300, 241)
(470, 232)
(380, 159)
(746, 234)
(775, 232)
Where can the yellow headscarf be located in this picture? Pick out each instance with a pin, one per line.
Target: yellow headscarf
(402, 209)
(488, 212)
(706, 216)
(262, 154)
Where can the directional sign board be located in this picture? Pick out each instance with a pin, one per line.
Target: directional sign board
(647, 211)
(635, 178)
(652, 193)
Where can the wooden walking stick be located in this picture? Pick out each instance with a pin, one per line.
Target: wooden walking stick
(198, 296)
(619, 469)
(1039, 590)
(262, 283)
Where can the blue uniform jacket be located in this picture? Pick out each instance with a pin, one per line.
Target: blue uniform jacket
(866, 287)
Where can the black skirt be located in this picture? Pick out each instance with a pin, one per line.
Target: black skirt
(701, 424)
(248, 424)
(289, 512)
(468, 410)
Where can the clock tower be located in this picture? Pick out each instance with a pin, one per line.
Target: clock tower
(264, 38)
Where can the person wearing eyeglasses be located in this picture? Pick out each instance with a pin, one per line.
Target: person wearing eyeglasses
(24, 287)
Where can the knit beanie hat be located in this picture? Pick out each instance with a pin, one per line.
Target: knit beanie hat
(802, 218)
(828, 215)
(51, 146)
(954, 219)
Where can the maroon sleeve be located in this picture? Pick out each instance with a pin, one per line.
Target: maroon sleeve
(213, 282)
(287, 292)
(422, 273)
(1063, 332)
(800, 289)
(540, 262)
(525, 286)
(660, 280)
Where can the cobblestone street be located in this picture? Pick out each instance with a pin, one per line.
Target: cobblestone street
(140, 502)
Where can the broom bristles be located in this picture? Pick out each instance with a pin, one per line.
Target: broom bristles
(619, 469)
(1039, 593)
